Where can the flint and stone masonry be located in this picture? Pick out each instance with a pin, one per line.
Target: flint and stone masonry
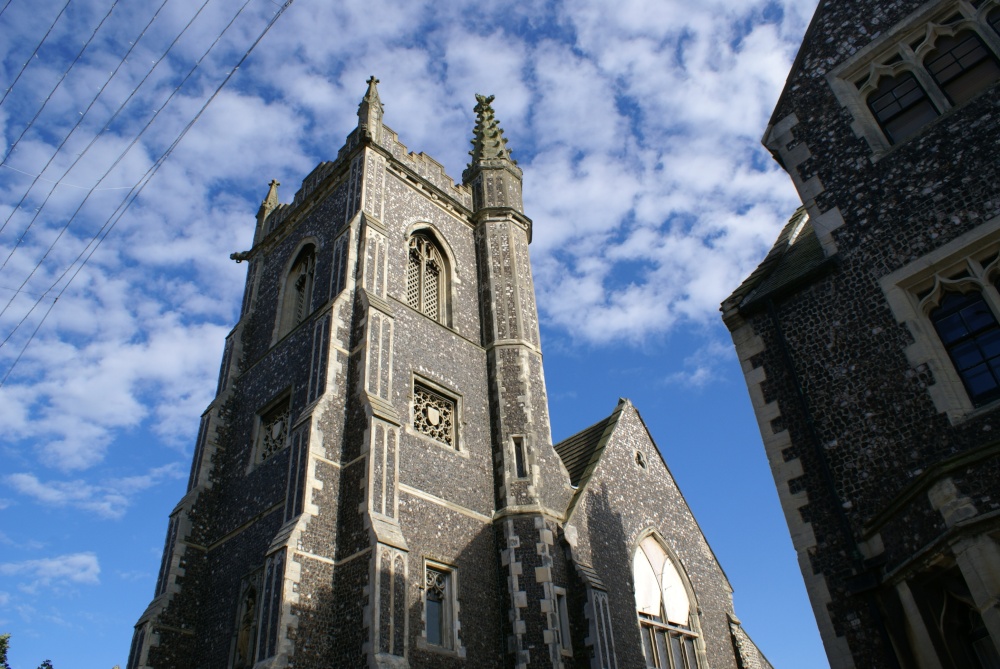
(375, 484)
(868, 336)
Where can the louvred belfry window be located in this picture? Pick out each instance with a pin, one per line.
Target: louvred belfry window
(424, 277)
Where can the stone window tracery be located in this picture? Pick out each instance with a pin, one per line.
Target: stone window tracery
(439, 606)
(664, 607)
(950, 301)
(425, 277)
(434, 414)
(297, 294)
(273, 428)
(962, 66)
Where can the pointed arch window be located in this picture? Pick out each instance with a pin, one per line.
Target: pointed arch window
(971, 336)
(901, 106)
(961, 66)
(296, 301)
(426, 277)
(664, 608)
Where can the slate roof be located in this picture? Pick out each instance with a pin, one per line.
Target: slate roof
(796, 255)
(582, 451)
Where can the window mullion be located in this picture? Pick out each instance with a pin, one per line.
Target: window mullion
(934, 92)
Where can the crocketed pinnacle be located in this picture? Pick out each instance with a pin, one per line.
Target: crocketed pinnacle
(488, 141)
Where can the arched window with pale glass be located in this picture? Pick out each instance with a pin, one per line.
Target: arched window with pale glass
(426, 278)
(666, 613)
(297, 293)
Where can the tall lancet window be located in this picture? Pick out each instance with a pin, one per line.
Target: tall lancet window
(664, 608)
(296, 301)
(425, 277)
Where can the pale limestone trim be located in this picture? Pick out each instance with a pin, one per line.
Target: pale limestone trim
(749, 344)
(871, 63)
(432, 194)
(781, 141)
(948, 392)
(916, 632)
(313, 556)
(433, 499)
(837, 649)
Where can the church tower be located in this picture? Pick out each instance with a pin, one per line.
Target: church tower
(375, 484)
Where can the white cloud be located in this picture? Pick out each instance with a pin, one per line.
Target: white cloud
(703, 366)
(55, 572)
(109, 500)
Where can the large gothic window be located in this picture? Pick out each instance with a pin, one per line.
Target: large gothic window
(664, 609)
(296, 300)
(425, 277)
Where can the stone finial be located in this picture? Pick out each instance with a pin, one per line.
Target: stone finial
(488, 141)
(370, 111)
(270, 202)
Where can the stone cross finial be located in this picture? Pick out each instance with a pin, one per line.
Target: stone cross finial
(370, 111)
(270, 202)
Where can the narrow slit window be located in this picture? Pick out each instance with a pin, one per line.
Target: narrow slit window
(520, 461)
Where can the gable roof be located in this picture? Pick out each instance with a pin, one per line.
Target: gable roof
(581, 452)
(796, 256)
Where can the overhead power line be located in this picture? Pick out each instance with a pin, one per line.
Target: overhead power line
(33, 53)
(116, 216)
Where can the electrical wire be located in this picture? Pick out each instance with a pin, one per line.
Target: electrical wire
(58, 83)
(33, 53)
(115, 164)
(93, 141)
(113, 220)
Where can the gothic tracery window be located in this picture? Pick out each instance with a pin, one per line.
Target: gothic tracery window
(425, 277)
(438, 608)
(296, 301)
(434, 415)
(664, 609)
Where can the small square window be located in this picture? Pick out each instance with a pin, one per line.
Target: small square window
(434, 414)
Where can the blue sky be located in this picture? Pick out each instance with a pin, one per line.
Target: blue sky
(637, 125)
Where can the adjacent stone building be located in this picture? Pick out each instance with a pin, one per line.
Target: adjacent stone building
(869, 335)
(375, 484)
